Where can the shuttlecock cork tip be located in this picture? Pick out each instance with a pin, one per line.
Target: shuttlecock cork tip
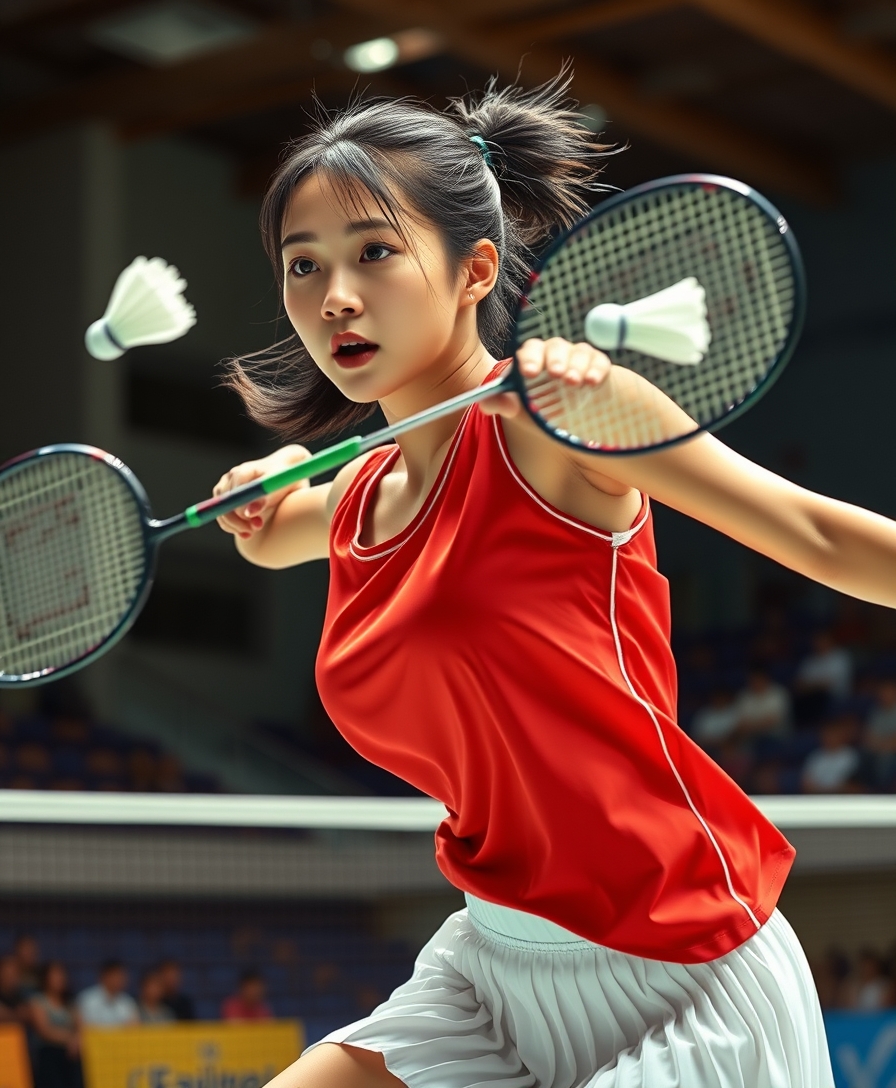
(99, 341)
(670, 325)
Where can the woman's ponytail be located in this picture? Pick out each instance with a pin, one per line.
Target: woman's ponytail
(545, 159)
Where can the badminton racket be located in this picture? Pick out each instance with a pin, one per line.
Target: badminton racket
(692, 283)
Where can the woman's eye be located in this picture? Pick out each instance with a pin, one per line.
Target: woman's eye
(301, 266)
(376, 251)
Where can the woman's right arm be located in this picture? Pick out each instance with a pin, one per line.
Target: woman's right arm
(289, 526)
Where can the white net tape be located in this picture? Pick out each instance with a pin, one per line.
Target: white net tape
(71, 560)
(736, 252)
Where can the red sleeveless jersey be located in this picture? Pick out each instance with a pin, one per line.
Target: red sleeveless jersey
(514, 663)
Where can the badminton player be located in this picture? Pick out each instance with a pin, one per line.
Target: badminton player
(497, 632)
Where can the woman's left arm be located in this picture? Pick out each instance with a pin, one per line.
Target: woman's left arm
(833, 542)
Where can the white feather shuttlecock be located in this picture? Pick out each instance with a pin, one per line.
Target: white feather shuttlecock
(147, 306)
(669, 325)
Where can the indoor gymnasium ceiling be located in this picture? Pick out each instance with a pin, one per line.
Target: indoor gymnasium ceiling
(780, 94)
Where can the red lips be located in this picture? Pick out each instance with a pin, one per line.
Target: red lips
(350, 349)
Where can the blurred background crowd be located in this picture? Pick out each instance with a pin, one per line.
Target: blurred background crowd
(795, 704)
(308, 974)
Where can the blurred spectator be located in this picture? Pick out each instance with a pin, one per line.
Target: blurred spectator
(830, 974)
(872, 989)
(715, 723)
(248, 1003)
(153, 1009)
(773, 641)
(834, 766)
(106, 1004)
(57, 1062)
(763, 707)
(735, 760)
(180, 1004)
(822, 676)
(880, 734)
(766, 778)
(27, 952)
(12, 996)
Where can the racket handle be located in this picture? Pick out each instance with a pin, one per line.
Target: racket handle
(332, 457)
(204, 512)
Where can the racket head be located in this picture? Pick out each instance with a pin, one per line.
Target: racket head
(741, 250)
(76, 560)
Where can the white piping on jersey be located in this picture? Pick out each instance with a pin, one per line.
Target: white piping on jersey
(614, 538)
(655, 720)
(375, 479)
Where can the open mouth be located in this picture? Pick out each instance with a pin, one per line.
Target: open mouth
(350, 351)
(357, 348)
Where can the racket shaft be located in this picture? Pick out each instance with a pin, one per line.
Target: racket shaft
(204, 512)
(332, 457)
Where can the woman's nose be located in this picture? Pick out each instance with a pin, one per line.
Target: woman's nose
(341, 300)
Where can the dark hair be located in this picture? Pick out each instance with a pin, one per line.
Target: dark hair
(545, 161)
(250, 974)
(107, 966)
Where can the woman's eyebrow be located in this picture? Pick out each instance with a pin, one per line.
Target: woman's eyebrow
(355, 227)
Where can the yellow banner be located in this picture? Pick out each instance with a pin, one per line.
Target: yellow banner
(193, 1055)
(15, 1069)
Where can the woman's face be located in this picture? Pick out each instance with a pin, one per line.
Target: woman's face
(378, 314)
(56, 979)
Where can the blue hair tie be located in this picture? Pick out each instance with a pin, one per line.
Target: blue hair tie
(484, 151)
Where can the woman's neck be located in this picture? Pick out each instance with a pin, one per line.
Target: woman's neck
(423, 448)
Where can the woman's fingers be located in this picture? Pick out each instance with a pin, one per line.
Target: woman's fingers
(242, 521)
(530, 357)
(248, 519)
(575, 364)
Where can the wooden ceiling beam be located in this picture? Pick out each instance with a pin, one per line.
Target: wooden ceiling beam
(589, 18)
(140, 99)
(243, 102)
(813, 39)
(724, 146)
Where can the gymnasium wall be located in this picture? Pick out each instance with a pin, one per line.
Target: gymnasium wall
(75, 207)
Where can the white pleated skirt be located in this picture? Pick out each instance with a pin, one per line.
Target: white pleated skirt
(500, 997)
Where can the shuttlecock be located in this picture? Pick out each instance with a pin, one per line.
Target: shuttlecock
(670, 325)
(147, 306)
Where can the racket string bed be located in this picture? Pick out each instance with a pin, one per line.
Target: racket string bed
(736, 252)
(72, 560)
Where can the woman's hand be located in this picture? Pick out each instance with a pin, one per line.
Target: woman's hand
(246, 521)
(575, 364)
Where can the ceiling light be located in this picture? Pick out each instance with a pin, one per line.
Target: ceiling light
(372, 56)
(170, 31)
(402, 48)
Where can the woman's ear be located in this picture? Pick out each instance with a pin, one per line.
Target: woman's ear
(481, 270)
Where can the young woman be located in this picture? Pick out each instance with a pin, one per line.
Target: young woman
(497, 632)
(57, 1062)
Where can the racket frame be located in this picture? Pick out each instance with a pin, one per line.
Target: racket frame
(709, 181)
(151, 538)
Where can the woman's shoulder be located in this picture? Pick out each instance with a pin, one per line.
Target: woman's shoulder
(349, 473)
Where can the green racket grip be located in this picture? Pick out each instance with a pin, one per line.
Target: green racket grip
(332, 457)
(204, 512)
